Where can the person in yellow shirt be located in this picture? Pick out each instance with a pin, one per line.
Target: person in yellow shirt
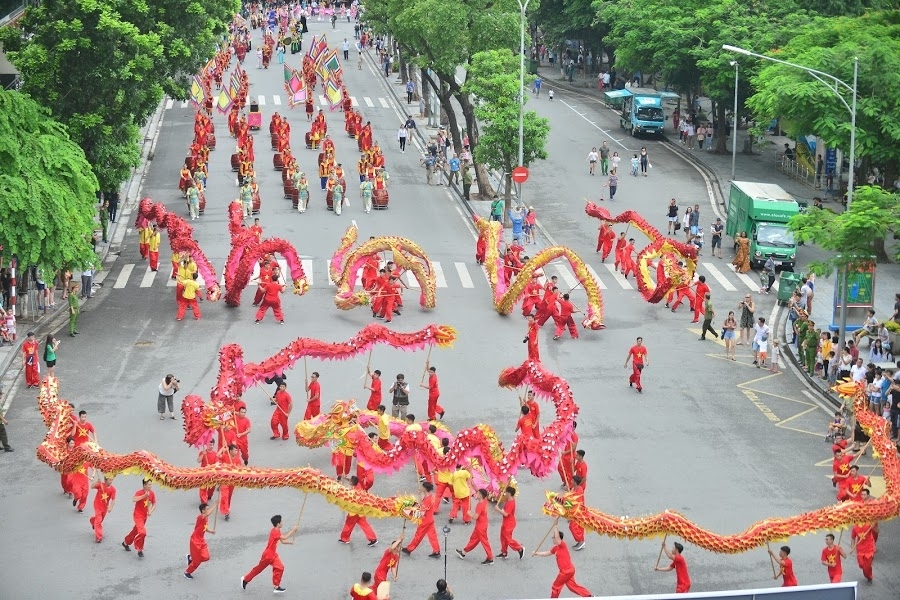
(176, 262)
(153, 241)
(144, 240)
(444, 481)
(384, 431)
(461, 493)
(189, 288)
(435, 442)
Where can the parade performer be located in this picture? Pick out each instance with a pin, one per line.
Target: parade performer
(532, 295)
(143, 227)
(337, 196)
(832, 555)
(189, 297)
(362, 590)
(508, 510)
(435, 410)
(228, 455)
(862, 541)
(389, 563)
(79, 481)
(104, 501)
(577, 495)
(270, 556)
(267, 266)
(682, 578)
(374, 388)
(83, 430)
(153, 241)
(31, 361)
(354, 520)
(564, 319)
(566, 575)
(302, 186)
(309, 107)
(462, 494)
(621, 242)
(271, 298)
(480, 249)
(207, 458)
(605, 240)
(193, 201)
(427, 508)
(144, 505)
(242, 433)
(567, 460)
(531, 338)
(786, 572)
(852, 487)
(198, 549)
(637, 354)
(283, 406)
(184, 181)
(384, 432)
(314, 397)
(365, 191)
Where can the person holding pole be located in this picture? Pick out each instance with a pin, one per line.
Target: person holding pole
(427, 508)
(566, 576)
(390, 562)
(508, 510)
(270, 556)
(199, 550)
(682, 578)
(435, 410)
(831, 557)
(787, 566)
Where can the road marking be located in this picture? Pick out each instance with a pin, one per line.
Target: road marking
(463, 273)
(149, 276)
(308, 269)
(596, 277)
(439, 279)
(567, 276)
(173, 282)
(122, 279)
(261, 100)
(623, 283)
(184, 104)
(715, 340)
(323, 100)
(170, 103)
(758, 403)
(717, 274)
(276, 99)
(411, 280)
(593, 124)
(369, 102)
(353, 101)
(384, 103)
(748, 281)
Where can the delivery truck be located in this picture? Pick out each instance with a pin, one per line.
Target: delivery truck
(640, 112)
(762, 210)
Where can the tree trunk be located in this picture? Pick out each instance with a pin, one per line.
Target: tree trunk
(722, 134)
(472, 127)
(401, 60)
(426, 92)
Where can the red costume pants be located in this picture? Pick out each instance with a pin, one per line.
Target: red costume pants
(342, 464)
(280, 421)
(443, 489)
(636, 374)
(97, 522)
(683, 293)
(79, 487)
(607, 248)
(506, 539)
(154, 260)
(561, 324)
(529, 304)
(351, 523)
(144, 250)
(480, 536)
(835, 574)
(264, 307)
(32, 373)
(566, 471)
(244, 446)
(387, 309)
(312, 410)
(434, 409)
(865, 563)
(257, 298)
(199, 554)
(183, 305)
(385, 443)
(277, 570)
(577, 531)
(425, 528)
(206, 494)
(137, 535)
(462, 503)
(567, 579)
(225, 493)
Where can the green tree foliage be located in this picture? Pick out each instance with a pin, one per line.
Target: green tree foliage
(806, 105)
(562, 20)
(837, 8)
(494, 81)
(46, 188)
(102, 67)
(858, 233)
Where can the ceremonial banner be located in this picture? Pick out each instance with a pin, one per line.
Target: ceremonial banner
(333, 94)
(223, 104)
(317, 49)
(295, 87)
(198, 95)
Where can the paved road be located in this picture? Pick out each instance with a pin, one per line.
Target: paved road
(724, 443)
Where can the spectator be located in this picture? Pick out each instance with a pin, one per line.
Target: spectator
(517, 218)
(443, 591)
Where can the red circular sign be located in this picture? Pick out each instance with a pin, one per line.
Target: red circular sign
(520, 174)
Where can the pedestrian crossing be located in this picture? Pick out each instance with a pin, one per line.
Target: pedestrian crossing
(452, 274)
(278, 100)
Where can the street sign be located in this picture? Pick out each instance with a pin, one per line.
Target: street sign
(520, 174)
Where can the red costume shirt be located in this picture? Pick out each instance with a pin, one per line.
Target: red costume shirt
(315, 391)
(375, 396)
(283, 400)
(682, 578)
(563, 559)
(271, 550)
(82, 431)
(481, 515)
(388, 560)
(105, 494)
(433, 389)
(142, 507)
(427, 508)
(832, 558)
(865, 541)
(787, 572)
(638, 354)
(199, 534)
(509, 519)
(360, 592)
(526, 425)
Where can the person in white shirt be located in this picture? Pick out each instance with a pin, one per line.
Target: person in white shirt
(869, 327)
(858, 371)
(592, 158)
(762, 331)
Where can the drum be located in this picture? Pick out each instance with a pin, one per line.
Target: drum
(380, 199)
(256, 203)
(288, 189)
(235, 162)
(202, 198)
(211, 141)
(329, 200)
(277, 161)
(295, 198)
(274, 141)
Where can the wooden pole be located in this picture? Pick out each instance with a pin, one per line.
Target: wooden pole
(397, 570)
(216, 509)
(300, 516)
(427, 359)
(858, 456)
(840, 537)
(661, 548)
(305, 371)
(368, 366)
(771, 560)
(546, 535)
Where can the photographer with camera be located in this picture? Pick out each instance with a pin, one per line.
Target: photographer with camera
(400, 402)
(167, 389)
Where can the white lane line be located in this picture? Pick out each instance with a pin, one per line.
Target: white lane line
(353, 101)
(276, 99)
(149, 276)
(411, 280)
(261, 100)
(596, 277)
(463, 273)
(369, 102)
(170, 103)
(122, 279)
(623, 283)
(594, 125)
(567, 276)
(439, 279)
(323, 100)
(173, 282)
(308, 269)
(751, 283)
(184, 104)
(717, 274)
(384, 103)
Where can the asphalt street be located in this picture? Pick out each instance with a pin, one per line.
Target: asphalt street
(722, 442)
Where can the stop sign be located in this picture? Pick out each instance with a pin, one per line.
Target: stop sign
(520, 174)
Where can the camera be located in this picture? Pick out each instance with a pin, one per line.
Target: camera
(446, 529)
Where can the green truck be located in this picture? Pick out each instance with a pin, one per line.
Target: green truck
(763, 210)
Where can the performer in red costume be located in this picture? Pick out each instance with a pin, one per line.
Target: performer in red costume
(682, 577)
(242, 432)
(427, 508)
(621, 242)
(508, 510)
(270, 556)
(206, 458)
(198, 549)
(104, 501)
(700, 291)
(637, 354)
(627, 259)
(435, 410)
(532, 295)
(831, 557)
(313, 398)
(283, 406)
(271, 298)
(564, 319)
(480, 533)
(229, 456)
(863, 543)
(390, 562)
(567, 460)
(31, 360)
(531, 338)
(566, 576)
(605, 240)
(577, 531)
(354, 520)
(374, 389)
(363, 589)
(144, 505)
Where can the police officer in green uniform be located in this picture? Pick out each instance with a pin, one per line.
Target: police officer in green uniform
(73, 309)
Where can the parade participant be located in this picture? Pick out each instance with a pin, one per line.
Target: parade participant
(580, 468)
(435, 410)
(427, 507)
(682, 291)
(144, 505)
(267, 266)
(309, 107)
(534, 411)
(362, 590)
(143, 227)
(511, 266)
(700, 291)
(322, 124)
(207, 458)
(193, 198)
(283, 406)
(531, 338)
(302, 193)
(365, 192)
(384, 432)
(337, 196)
(229, 455)
(840, 466)
(480, 533)
(247, 198)
(564, 318)
(444, 482)
(188, 297)
(566, 467)
(153, 241)
(79, 481)
(508, 510)
(104, 501)
(547, 307)
(353, 520)
(605, 240)
(532, 295)
(853, 486)
(364, 474)
(628, 264)
(566, 575)
(621, 242)
(84, 430)
(270, 556)
(682, 578)
(862, 541)
(577, 531)
(375, 389)
(525, 424)
(389, 563)
(370, 271)
(65, 477)
(391, 294)
(787, 566)
(271, 298)
(462, 494)
(242, 433)
(198, 550)
(184, 180)
(256, 228)
(176, 260)
(831, 557)
(31, 361)
(314, 397)
(637, 354)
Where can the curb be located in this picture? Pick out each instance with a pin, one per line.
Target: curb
(793, 362)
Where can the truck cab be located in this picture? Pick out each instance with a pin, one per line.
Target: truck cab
(763, 211)
(640, 112)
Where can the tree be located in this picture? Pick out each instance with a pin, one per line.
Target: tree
(494, 81)
(46, 188)
(856, 234)
(102, 67)
(807, 107)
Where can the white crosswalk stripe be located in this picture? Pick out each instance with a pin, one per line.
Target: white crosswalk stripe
(384, 103)
(566, 275)
(149, 276)
(596, 277)
(169, 103)
(623, 283)
(750, 282)
(463, 273)
(122, 279)
(439, 279)
(717, 274)
(261, 100)
(353, 101)
(307, 264)
(276, 100)
(369, 102)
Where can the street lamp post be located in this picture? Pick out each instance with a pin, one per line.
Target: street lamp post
(522, 9)
(734, 118)
(834, 85)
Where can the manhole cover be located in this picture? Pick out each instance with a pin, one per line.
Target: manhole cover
(143, 343)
